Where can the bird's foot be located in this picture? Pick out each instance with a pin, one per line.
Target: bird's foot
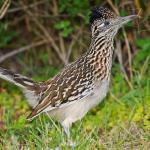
(57, 148)
(71, 143)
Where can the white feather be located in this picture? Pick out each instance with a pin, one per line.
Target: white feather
(77, 109)
(32, 98)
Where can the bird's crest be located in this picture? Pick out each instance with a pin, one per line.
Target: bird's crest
(101, 13)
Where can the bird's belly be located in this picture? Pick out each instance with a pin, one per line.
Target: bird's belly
(76, 110)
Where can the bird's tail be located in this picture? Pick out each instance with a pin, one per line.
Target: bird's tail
(30, 88)
(17, 79)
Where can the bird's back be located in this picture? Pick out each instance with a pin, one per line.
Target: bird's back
(73, 83)
(74, 91)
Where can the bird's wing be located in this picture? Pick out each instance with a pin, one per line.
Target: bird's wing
(69, 85)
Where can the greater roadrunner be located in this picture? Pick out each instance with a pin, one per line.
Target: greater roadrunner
(81, 85)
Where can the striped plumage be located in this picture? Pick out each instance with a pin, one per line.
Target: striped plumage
(82, 84)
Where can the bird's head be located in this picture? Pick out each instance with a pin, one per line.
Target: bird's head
(104, 22)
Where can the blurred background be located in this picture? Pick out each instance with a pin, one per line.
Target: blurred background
(41, 34)
(39, 37)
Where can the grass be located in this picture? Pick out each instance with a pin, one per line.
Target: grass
(121, 121)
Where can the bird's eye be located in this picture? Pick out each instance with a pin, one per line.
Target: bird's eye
(106, 23)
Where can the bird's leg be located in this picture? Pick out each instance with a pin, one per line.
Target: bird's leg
(67, 132)
(70, 142)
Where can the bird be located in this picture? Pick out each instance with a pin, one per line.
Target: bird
(80, 85)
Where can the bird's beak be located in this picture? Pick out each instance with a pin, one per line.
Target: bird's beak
(124, 20)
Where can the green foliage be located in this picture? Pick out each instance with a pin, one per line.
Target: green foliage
(143, 53)
(45, 73)
(6, 35)
(123, 12)
(1, 3)
(144, 44)
(64, 27)
(73, 8)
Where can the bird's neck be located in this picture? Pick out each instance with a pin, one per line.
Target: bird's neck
(100, 56)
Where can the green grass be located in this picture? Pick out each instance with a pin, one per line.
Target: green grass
(121, 121)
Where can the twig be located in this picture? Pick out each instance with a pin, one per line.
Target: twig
(4, 8)
(70, 48)
(74, 39)
(145, 65)
(113, 7)
(22, 49)
(115, 98)
(29, 6)
(46, 33)
(128, 49)
(62, 48)
(119, 54)
(129, 52)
